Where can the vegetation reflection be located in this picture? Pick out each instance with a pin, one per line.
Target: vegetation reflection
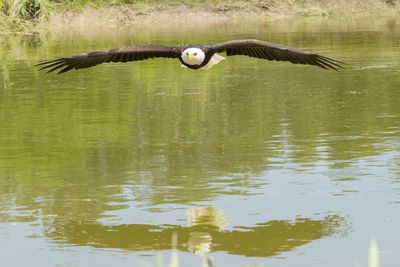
(262, 240)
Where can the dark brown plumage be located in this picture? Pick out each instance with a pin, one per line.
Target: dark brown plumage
(249, 47)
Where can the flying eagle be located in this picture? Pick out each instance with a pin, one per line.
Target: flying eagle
(193, 56)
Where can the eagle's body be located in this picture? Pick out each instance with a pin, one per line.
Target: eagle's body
(194, 56)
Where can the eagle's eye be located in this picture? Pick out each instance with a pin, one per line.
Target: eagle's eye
(187, 53)
(195, 54)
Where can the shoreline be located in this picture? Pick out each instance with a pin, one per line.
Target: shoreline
(193, 13)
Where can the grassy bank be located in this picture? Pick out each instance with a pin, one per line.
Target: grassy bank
(27, 16)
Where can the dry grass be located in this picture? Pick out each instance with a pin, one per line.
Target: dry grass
(211, 10)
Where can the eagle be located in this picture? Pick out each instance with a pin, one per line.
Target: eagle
(192, 56)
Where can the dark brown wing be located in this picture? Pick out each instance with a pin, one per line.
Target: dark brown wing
(270, 51)
(125, 54)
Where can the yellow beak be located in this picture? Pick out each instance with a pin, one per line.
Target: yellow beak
(190, 57)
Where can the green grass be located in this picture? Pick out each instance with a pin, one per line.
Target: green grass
(23, 15)
(34, 9)
(26, 9)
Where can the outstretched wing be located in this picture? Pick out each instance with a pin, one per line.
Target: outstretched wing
(125, 54)
(260, 49)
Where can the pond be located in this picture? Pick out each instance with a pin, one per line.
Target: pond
(257, 163)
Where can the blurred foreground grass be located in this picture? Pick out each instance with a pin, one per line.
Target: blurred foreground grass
(206, 261)
(373, 260)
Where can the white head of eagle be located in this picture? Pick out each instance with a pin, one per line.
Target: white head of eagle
(193, 56)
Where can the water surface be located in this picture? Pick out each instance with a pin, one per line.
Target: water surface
(259, 163)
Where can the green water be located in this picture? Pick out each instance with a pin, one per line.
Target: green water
(259, 163)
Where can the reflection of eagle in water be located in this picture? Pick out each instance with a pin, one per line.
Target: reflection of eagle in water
(194, 56)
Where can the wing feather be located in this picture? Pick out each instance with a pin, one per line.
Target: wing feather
(124, 54)
(265, 50)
